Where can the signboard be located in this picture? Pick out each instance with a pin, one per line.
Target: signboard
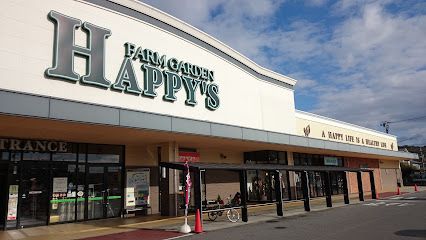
(32, 145)
(331, 161)
(138, 186)
(13, 202)
(60, 184)
(189, 157)
(130, 200)
(158, 68)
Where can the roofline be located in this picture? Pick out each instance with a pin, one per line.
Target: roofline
(189, 29)
(345, 123)
(53, 108)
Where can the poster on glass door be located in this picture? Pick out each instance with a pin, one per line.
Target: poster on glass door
(12, 206)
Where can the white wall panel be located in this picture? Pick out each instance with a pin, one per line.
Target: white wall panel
(26, 51)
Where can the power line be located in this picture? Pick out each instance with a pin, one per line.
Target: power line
(385, 124)
(407, 139)
(409, 119)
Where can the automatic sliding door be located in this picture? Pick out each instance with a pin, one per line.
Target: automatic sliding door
(96, 192)
(63, 199)
(34, 194)
(114, 191)
(104, 191)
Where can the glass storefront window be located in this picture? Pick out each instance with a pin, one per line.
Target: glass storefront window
(64, 157)
(252, 185)
(266, 157)
(36, 156)
(62, 202)
(298, 181)
(53, 190)
(285, 185)
(103, 153)
(82, 150)
(96, 192)
(261, 186)
(4, 156)
(15, 156)
(69, 156)
(81, 189)
(114, 191)
(34, 188)
(305, 159)
(316, 185)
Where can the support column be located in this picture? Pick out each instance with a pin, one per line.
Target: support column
(373, 185)
(345, 188)
(278, 193)
(197, 192)
(291, 180)
(305, 189)
(243, 191)
(360, 190)
(328, 189)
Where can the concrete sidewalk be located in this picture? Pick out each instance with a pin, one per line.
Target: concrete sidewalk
(155, 222)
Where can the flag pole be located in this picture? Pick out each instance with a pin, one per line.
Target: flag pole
(185, 228)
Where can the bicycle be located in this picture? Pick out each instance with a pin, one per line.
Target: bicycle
(231, 213)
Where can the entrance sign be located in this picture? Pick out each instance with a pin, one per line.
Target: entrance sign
(33, 145)
(158, 69)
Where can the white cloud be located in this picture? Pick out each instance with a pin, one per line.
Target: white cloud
(381, 58)
(369, 67)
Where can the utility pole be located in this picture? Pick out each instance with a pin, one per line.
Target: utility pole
(385, 124)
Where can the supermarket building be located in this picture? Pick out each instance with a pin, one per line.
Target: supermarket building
(102, 101)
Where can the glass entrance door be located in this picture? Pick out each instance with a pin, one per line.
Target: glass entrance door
(104, 192)
(96, 192)
(34, 194)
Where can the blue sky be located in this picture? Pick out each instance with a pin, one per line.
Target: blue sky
(359, 61)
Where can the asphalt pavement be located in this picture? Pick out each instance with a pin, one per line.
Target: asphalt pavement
(398, 217)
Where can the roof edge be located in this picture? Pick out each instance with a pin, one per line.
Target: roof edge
(345, 123)
(189, 29)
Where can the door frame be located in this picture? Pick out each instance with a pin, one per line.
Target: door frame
(105, 185)
(4, 174)
(20, 192)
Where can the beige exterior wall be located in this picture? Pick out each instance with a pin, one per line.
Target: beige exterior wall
(319, 127)
(390, 172)
(223, 183)
(245, 100)
(218, 156)
(220, 182)
(141, 155)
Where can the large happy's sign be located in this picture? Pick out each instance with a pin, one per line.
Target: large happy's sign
(158, 69)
